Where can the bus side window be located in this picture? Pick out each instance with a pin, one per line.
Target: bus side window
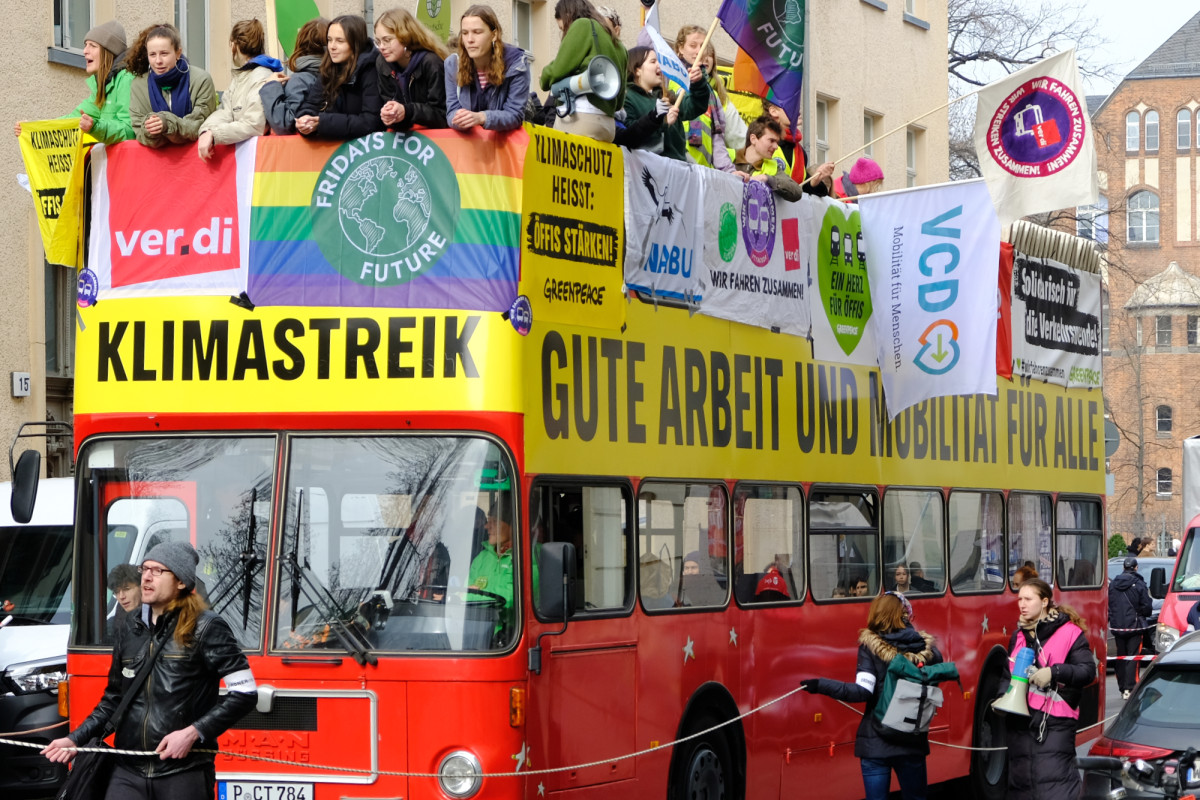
(843, 543)
(686, 526)
(1079, 542)
(976, 541)
(914, 560)
(770, 523)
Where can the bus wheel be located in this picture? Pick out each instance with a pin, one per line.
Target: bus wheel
(989, 769)
(703, 767)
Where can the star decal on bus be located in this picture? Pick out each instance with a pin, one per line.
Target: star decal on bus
(985, 623)
(541, 790)
(733, 636)
(522, 758)
(689, 650)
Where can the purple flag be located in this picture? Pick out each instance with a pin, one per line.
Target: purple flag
(772, 33)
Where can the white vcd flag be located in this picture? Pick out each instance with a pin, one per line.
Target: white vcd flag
(1034, 140)
(664, 240)
(933, 273)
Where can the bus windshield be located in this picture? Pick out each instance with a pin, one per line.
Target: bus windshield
(396, 543)
(35, 574)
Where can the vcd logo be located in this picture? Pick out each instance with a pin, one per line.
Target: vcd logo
(939, 348)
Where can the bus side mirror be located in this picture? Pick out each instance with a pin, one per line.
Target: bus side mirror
(25, 486)
(556, 581)
(1158, 583)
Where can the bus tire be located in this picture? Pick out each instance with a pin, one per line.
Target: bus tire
(989, 770)
(702, 768)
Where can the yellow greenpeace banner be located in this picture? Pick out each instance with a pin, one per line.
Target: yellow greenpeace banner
(573, 216)
(678, 397)
(53, 151)
(206, 355)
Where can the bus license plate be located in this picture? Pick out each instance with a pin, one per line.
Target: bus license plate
(265, 790)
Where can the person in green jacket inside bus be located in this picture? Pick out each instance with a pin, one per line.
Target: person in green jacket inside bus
(585, 36)
(105, 113)
(492, 568)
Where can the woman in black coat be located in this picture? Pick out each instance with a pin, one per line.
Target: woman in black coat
(412, 75)
(348, 104)
(889, 634)
(1041, 747)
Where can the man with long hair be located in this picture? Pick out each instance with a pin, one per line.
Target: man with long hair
(199, 651)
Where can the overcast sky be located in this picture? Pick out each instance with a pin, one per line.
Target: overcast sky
(1134, 29)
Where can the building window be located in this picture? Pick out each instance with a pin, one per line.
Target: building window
(1162, 418)
(1183, 129)
(1164, 483)
(1192, 338)
(1151, 131)
(1091, 222)
(1104, 323)
(1138, 332)
(913, 141)
(191, 17)
(1162, 331)
(522, 22)
(1132, 134)
(869, 134)
(1142, 217)
(821, 151)
(72, 21)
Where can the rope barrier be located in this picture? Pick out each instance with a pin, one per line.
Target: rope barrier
(1131, 630)
(514, 774)
(33, 730)
(1132, 658)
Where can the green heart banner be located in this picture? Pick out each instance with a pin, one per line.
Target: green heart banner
(841, 323)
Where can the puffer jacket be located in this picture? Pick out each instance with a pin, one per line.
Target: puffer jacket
(240, 114)
(281, 102)
(181, 690)
(1046, 770)
(1129, 602)
(420, 88)
(582, 42)
(503, 105)
(875, 652)
(111, 123)
(355, 110)
(176, 130)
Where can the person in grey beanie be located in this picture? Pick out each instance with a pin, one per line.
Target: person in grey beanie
(199, 651)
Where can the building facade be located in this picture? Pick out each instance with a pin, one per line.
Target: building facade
(850, 99)
(1148, 140)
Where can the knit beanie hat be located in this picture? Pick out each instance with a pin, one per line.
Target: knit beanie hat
(110, 36)
(179, 557)
(865, 170)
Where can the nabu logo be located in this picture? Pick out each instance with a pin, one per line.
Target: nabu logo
(376, 195)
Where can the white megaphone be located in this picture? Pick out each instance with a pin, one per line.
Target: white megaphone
(601, 78)
(1013, 701)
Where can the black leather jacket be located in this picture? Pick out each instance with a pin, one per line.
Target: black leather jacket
(181, 690)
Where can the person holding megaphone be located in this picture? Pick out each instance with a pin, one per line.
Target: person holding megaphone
(1041, 732)
(586, 38)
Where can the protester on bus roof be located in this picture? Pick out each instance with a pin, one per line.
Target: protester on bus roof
(705, 133)
(282, 98)
(651, 112)
(169, 98)
(611, 18)
(1129, 609)
(735, 127)
(756, 162)
(105, 113)
(586, 35)
(1041, 747)
(818, 182)
(412, 75)
(348, 103)
(241, 114)
(178, 706)
(487, 81)
(889, 634)
(867, 176)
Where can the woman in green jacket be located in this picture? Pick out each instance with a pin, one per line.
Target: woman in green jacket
(650, 110)
(585, 35)
(105, 113)
(169, 98)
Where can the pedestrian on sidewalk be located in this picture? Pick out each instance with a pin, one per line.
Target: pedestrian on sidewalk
(1129, 609)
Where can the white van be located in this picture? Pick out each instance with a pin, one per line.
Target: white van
(35, 614)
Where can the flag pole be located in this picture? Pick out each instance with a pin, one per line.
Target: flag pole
(700, 53)
(945, 105)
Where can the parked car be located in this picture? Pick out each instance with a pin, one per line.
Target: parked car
(1157, 722)
(35, 598)
(1145, 565)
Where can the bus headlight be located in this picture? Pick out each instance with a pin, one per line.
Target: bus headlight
(459, 774)
(1164, 637)
(35, 676)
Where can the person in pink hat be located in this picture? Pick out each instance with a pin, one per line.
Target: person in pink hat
(867, 176)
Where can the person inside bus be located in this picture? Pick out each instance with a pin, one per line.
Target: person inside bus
(901, 581)
(105, 112)
(282, 98)
(492, 570)
(889, 634)
(1041, 747)
(124, 583)
(169, 98)
(240, 115)
(487, 81)
(655, 581)
(586, 35)
(1023, 573)
(412, 74)
(699, 585)
(860, 588)
(348, 104)
(839, 591)
(772, 588)
(916, 575)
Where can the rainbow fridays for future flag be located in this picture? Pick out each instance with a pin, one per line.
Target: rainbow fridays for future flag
(772, 34)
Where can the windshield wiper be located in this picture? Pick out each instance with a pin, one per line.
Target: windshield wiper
(250, 566)
(321, 598)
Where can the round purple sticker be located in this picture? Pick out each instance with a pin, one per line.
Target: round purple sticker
(1038, 130)
(758, 222)
(520, 315)
(87, 288)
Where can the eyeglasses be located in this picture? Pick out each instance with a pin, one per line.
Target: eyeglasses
(153, 572)
(382, 40)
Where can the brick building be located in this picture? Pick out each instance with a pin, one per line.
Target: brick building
(1148, 141)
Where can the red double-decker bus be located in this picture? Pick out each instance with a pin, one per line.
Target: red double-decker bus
(453, 552)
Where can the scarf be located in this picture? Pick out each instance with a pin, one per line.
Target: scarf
(178, 80)
(273, 64)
